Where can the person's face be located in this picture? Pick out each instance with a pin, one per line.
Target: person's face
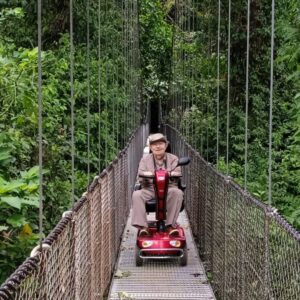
(158, 148)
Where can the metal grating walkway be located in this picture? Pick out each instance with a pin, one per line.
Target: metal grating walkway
(159, 279)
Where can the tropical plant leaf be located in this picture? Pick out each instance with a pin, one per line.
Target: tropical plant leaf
(10, 186)
(16, 220)
(12, 201)
(31, 201)
(2, 228)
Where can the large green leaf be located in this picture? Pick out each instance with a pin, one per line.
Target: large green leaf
(16, 220)
(10, 186)
(4, 155)
(31, 173)
(2, 228)
(12, 201)
(31, 201)
(31, 187)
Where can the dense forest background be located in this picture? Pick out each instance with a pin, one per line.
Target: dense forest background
(177, 41)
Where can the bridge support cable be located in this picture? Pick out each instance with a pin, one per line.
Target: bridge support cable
(228, 87)
(271, 104)
(218, 84)
(247, 94)
(88, 91)
(72, 103)
(40, 121)
(99, 86)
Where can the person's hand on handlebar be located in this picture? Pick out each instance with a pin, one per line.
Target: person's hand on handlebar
(175, 174)
(146, 174)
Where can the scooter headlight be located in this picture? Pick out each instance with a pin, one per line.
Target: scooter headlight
(175, 243)
(147, 244)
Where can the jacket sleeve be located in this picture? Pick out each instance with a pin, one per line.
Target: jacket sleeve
(177, 170)
(142, 170)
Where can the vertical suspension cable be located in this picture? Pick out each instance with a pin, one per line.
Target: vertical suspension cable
(132, 67)
(88, 85)
(271, 103)
(139, 85)
(112, 67)
(124, 71)
(182, 62)
(228, 86)
(99, 85)
(72, 104)
(176, 63)
(188, 69)
(117, 80)
(135, 65)
(218, 82)
(106, 88)
(126, 67)
(195, 28)
(172, 120)
(40, 120)
(183, 93)
(247, 96)
(208, 86)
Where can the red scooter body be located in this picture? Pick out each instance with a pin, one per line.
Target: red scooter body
(159, 245)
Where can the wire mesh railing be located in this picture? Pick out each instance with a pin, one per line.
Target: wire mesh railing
(78, 257)
(250, 250)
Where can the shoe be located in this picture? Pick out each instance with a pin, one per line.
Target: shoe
(144, 232)
(173, 232)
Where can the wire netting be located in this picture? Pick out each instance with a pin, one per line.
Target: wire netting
(83, 247)
(250, 251)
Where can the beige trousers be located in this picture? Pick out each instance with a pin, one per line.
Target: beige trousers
(140, 197)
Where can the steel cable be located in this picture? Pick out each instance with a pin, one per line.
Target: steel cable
(247, 95)
(72, 100)
(88, 86)
(271, 104)
(218, 82)
(40, 120)
(99, 86)
(228, 87)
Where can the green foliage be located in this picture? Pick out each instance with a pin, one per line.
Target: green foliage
(156, 49)
(113, 92)
(194, 93)
(19, 206)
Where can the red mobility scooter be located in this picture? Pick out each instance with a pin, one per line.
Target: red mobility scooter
(159, 245)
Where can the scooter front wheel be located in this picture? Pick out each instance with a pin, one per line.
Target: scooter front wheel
(138, 259)
(184, 258)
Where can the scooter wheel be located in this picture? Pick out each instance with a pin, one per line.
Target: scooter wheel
(138, 259)
(184, 258)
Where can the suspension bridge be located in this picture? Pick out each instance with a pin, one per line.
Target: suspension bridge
(239, 247)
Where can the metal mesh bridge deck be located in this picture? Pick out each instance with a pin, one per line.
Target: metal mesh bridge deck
(159, 279)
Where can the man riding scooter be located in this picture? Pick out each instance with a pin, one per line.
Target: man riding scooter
(159, 159)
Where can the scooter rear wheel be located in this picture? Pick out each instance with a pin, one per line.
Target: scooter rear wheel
(138, 260)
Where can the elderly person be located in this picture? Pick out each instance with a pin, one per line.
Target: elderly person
(158, 159)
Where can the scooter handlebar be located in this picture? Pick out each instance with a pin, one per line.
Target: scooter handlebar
(172, 174)
(146, 175)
